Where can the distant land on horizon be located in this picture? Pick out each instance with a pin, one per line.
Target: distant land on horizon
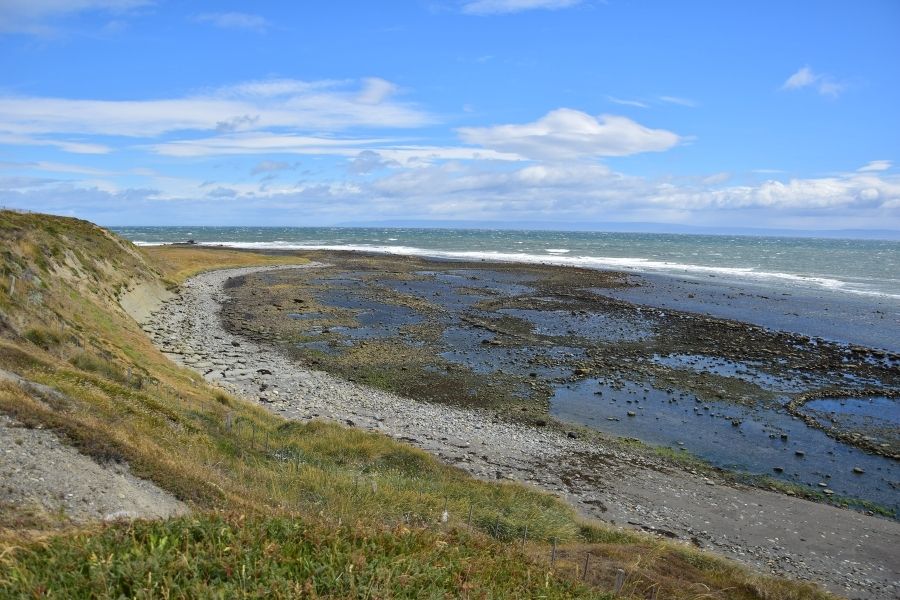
(633, 227)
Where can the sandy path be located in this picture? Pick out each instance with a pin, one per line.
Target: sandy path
(847, 552)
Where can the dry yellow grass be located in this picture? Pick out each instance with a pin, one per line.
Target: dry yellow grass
(177, 263)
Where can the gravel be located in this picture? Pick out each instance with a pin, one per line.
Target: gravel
(847, 552)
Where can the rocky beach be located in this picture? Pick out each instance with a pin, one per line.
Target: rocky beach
(412, 348)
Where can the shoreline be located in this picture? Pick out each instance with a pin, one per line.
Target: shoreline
(561, 257)
(602, 481)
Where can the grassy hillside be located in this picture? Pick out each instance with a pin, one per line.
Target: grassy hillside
(279, 508)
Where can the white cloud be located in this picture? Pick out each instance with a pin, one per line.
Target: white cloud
(35, 16)
(565, 134)
(805, 77)
(376, 90)
(270, 166)
(592, 192)
(475, 190)
(875, 165)
(716, 178)
(679, 101)
(262, 143)
(368, 161)
(54, 167)
(637, 103)
(802, 78)
(250, 143)
(235, 20)
(64, 145)
(499, 7)
(322, 105)
(827, 87)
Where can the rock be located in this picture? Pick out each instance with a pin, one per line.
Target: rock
(800, 453)
(778, 469)
(541, 423)
(572, 435)
(632, 413)
(858, 470)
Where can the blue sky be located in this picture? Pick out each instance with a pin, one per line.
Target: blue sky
(769, 114)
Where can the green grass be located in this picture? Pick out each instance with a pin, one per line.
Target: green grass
(230, 556)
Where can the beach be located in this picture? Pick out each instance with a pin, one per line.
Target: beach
(482, 365)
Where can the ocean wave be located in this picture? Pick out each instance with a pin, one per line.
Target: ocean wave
(629, 264)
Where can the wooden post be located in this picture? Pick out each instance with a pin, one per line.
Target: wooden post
(469, 520)
(587, 560)
(553, 553)
(620, 580)
(12, 285)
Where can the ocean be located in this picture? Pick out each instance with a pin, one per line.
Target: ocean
(856, 267)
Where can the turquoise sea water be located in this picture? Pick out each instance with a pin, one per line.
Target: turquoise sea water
(858, 267)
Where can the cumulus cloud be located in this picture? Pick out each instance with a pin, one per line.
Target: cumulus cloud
(318, 105)
(510, 191)
(566, 134)
(235, 20)
(594, 191)
(36, 16)
(500, 7)
(805, 77)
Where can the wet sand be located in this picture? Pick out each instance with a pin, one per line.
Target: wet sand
(866, 320)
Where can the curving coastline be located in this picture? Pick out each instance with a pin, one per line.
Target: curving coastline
(770, 531)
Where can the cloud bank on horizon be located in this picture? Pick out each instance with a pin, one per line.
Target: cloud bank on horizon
(139, 112)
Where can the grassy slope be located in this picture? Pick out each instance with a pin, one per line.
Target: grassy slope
(278, 505)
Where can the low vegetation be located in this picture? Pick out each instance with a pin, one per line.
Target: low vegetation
(280, 508)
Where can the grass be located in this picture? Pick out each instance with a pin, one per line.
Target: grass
(280, 508)
(177, 263)
(221, 556)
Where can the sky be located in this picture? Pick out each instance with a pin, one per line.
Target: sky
(717, 114)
